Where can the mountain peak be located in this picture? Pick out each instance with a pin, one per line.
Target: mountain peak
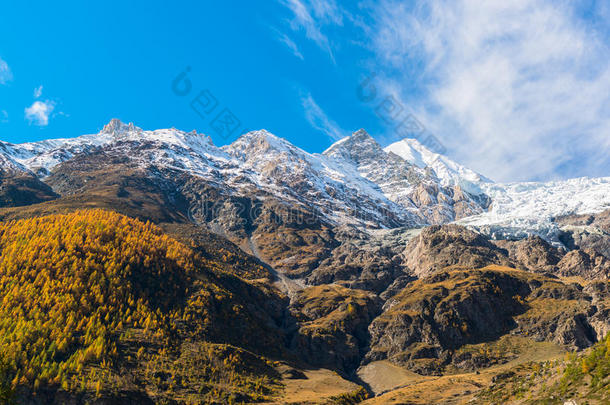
(117, 127)
(357, 147)
(448, 171)
(413, 151)
(260, 135)
(361, 134)
(256, 143)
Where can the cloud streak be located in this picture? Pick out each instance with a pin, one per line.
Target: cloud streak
(517, 90)
(5, 72)
(38, 91)
(286, 40)
(319, 120)
(310, 16)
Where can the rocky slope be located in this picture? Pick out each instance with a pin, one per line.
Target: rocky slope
(422, 326)
(19, 189)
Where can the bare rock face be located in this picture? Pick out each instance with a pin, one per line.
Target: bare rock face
(560, 312)
(532, 253)
(600, 220)
(600, 293)
(421, 325)
(438, 246)
(586, 263)
(466, 204)
(363, 260)
(588, 239)
(590, 231)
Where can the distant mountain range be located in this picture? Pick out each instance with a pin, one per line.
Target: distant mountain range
(355, 181)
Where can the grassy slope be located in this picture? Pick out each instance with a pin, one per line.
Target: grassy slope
(584, 377)
(458, 387)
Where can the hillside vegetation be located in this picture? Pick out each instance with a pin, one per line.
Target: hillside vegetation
(96, 302)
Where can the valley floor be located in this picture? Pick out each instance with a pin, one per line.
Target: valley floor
(390, 384)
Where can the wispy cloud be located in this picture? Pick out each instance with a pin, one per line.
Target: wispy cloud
(286, 40)
(5, 72)
(319, 120)
(518, 90)
(3, 117)
(38, 91)
(38, 113)
(311, 15)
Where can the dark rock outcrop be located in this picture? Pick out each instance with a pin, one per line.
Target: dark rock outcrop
(440, 246)
(591, 231)
(532, 253)
(422, 326)
(19, 189)
(333, 325)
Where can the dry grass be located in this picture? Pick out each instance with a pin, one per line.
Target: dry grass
(318, 387)
(462, 388)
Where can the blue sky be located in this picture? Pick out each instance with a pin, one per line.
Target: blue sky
(517, 92)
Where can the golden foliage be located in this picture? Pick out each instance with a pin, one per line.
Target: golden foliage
(69, 284)
(94, 301)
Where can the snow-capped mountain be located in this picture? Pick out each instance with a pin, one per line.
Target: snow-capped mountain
(346, 184)
(258, 163)
(449, 172)
(42, 156)
(417, 188)
(170, 147)
(338, 191)
(355, 181)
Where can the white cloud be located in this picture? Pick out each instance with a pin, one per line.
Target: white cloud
(319, 120)
(517, 90)
(38, 113)
(286, 40)
(327, 11)
(3, 117)
(5, 72)
(311, 15)
(38, 91)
